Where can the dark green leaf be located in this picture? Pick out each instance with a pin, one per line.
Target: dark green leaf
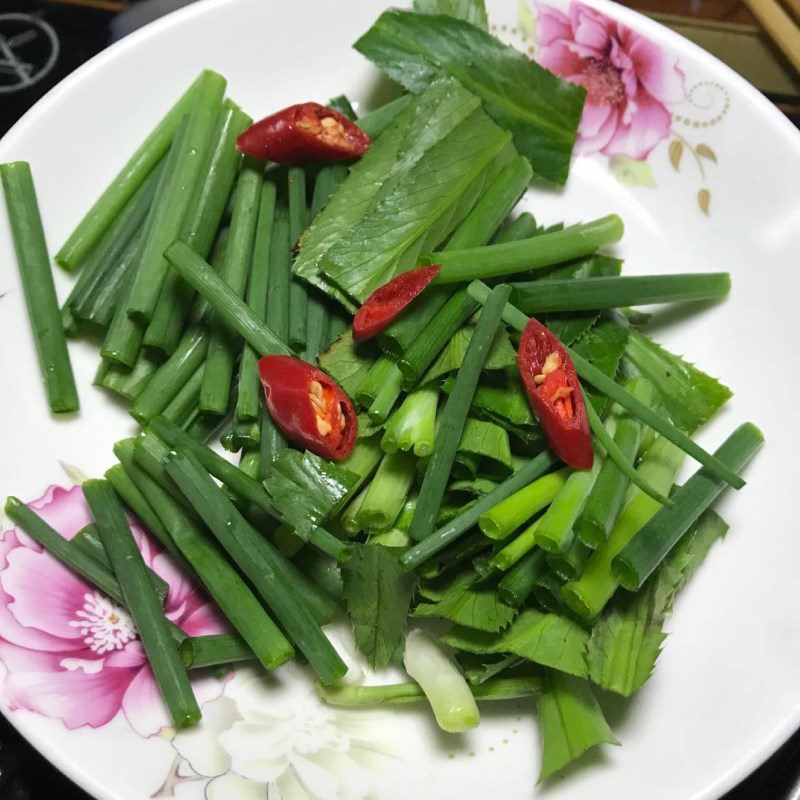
(420, 125)
(378, 594)
(472, 606)
(486, 441)
(367, 255)
(548, 639)
(541, 110)
(304, 489)
(473, 11)
(627, 638)
(688, 395)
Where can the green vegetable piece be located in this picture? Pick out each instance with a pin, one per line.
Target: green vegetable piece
(377, 594)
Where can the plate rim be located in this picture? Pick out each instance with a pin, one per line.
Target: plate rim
(635, 19)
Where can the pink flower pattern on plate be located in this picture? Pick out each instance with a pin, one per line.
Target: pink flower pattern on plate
(70, 652)
(629, 80)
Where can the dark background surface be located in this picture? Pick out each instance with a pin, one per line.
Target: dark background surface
(83, 28)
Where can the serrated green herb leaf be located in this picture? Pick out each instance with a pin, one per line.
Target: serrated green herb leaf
(627, 638)
(365, 257)
(501, 354)
(570, 722)
(472, 606)
(347, 362)
(548, 639)
(690, 396)
(541, 110)
(377, 592)
(604, 345)
(304, 489)
(473, 11)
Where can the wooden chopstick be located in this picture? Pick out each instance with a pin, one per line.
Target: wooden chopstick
(779, 26)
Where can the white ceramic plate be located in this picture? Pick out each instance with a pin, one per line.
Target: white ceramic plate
(716, 191)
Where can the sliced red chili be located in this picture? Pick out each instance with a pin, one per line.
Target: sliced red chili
(309, 406)
(386, 303)
(307, 133)
(555, 394)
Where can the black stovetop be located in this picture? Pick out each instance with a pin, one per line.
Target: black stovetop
(42, 41)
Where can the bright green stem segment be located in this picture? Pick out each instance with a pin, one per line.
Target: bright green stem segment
(298, 219)
(377, 375)
(143, 603)
(514, 317)
(170, 205)
(37, 284)
(460, 524)
(214, 650)
(248, 401)
(608, 493)
(517, 548)
(515, 587)
(523, 227)
(651, 545)
(589, 294)
(260, 562)
(554, 531)
(387, 396)
(547, 590)
(454, 416)
(125, 183)
(588, 596)
(387, 492)
(413, 425)
(497, 260)
(88, 540)
(436, 334)
(230, 308)
(223, 346)
(569, 564)
(200, 225)
(503, 519)
(57, 546)
(400, 693)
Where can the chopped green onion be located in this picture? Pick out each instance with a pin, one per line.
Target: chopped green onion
(650, 545)
(378, 374)
(230, 308)
(218, 374)
(554, 531)
(200, 225)
(387, 396)
(454, 416)
(589, 594)
(569, 564)
(400, 693)
(179, 409)
(589, 294)
(523, 227)
(434, 336)
(608, 493)
(413, 425)
(503, 519)
(105, 210)
(170, 204)
(259, 561)
(463, 521)
(497, 260)
(516, 586)
(298, 219)
(143, 603)
(88, 540)
(547, 591)
(128, 383)
(450, 697)
(214, 650)
(248, 402)
(37, 284)
(387, 492)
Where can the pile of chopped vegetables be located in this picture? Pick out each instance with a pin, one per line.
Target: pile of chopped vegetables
(441, 408)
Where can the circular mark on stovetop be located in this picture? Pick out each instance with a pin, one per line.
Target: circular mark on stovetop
(28, 51)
